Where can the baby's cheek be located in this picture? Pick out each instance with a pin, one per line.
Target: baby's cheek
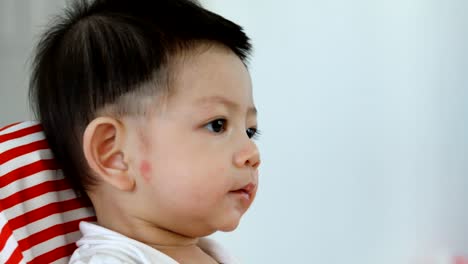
(221, 181)
(145, 171)
(221, 172)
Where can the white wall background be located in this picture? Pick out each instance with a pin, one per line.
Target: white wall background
(364, 119)
(20, 24)
(363, 105)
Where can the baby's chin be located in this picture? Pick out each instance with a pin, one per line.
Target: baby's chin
(226, 223)
(224, 227)
(230, 226)
(227, 227)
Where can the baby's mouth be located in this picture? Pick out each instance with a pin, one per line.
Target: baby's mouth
(247, 191)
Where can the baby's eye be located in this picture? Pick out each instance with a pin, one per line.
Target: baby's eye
(252, 132)
(217, 126)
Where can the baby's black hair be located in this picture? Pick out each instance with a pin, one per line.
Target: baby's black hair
(101, 51)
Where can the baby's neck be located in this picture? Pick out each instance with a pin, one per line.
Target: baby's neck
(151, 235)
(112, 215)
(181, 248)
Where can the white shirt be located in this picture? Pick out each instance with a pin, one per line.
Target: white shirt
(100, 245)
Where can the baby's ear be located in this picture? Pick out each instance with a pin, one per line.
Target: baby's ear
(104, 149)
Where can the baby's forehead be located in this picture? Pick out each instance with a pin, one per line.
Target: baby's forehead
(215, 72)
(201, 79)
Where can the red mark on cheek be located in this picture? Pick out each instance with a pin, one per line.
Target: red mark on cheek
(145, 170)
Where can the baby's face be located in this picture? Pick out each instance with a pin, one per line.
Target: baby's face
(197, 164)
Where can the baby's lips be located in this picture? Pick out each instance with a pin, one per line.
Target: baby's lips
(248, 188)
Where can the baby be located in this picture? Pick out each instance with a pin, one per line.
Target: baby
(147, 106)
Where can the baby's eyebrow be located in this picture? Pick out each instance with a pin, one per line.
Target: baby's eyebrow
(217, 99)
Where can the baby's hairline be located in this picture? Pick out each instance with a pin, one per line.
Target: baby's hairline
(152, 96)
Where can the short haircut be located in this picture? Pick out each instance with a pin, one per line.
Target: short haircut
(101, 51)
